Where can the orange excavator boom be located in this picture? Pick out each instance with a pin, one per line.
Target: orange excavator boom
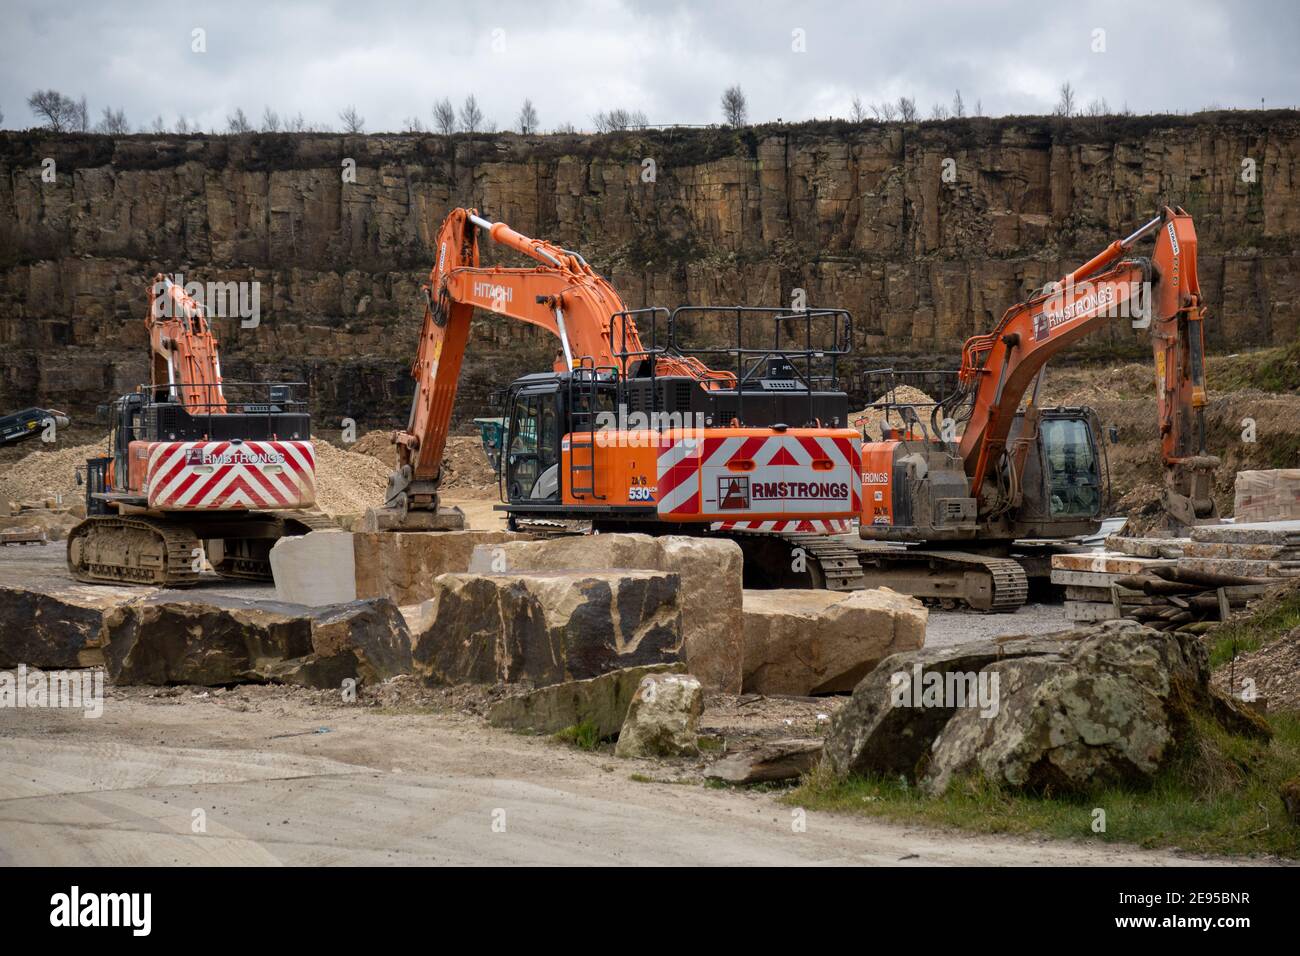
(183, 349)
(1161, 292)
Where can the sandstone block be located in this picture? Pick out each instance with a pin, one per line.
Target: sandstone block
(663, 719)
(545, 627)
(710, 571)
(331, 567)
(602, 701)
(823, 642)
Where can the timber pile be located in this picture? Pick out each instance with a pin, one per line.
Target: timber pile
(1179, 583)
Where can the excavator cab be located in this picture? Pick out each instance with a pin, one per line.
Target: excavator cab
(1065, 480)
(530, 453)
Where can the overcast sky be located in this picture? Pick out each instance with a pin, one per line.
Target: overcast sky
(671, 60)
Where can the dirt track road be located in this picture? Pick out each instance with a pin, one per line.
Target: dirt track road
(406, 788)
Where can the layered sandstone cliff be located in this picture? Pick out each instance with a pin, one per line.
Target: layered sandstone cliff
(860, 217)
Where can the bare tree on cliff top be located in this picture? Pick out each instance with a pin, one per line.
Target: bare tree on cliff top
(885, 112)
(60, 113)
(444, 117)
(528, 118)
(238, 123)
(906, 109)
(958, 105)
(471, 117)
(270, 120)
(734, 108)
(113, 122)
(611, 121)
(857, 112)
(353, 122)
(1065, 105)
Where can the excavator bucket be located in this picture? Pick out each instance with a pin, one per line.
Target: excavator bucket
(395, 519)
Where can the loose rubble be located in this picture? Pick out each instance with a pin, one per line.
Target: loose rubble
(663, 719)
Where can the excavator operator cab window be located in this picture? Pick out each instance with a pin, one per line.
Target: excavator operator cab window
(532, 455)
(1070, 465)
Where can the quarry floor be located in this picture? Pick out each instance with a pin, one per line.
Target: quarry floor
(279, 781)
(283, 776)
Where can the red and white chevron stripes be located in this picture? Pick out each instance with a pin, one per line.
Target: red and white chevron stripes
(801, 526)
(222, 475)
(816, 479)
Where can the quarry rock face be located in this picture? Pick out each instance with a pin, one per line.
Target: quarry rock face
(823, 642)
(1064, 713)
(709, 571)
(663, 719)
(215, 639)
(600, 701)
(545, 627)
(856, 214)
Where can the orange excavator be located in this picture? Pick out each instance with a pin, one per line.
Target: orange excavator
(198, 466)
(633, 429)
(988, 473)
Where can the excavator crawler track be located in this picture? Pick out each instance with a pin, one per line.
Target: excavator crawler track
(983, 582)
(106, 549)
(836, 566)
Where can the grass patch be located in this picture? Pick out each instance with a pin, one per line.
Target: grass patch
(1273, 618)
(1270, 370)
(584, 736)
(1219, 795)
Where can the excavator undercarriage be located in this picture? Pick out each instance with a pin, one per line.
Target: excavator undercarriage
(168, 550)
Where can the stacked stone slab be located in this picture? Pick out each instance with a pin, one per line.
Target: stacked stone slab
(1179, 582)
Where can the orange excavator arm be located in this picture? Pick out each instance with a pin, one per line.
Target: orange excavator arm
(561, 294)
(183, 350)
(1162, 291)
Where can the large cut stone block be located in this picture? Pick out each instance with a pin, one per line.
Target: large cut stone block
(331, 567)
(545, 627)
(56, 625)
(823, 642)
(710, 571)
(216, 639)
